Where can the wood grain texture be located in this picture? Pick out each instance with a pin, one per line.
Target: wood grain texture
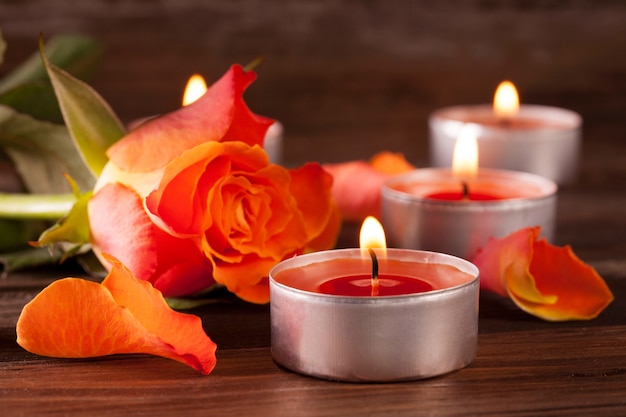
(524, 366)
(351, 76)
(347, 79)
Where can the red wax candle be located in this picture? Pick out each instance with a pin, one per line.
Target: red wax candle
(459, 196)
(422, 276)
(361, 285)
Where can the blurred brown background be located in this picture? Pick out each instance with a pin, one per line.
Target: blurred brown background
(349, 78)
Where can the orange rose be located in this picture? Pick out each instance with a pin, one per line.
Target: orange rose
(241, 210)
(190, 199)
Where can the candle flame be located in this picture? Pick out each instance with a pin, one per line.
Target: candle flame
(196, 87)
(506, 101)
(372, 235)
(465, 156)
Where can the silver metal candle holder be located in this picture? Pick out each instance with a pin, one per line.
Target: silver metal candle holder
(460, 228)
(541, 140)
(373, 339)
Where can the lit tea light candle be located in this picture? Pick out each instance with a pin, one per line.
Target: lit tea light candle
(329, 320)
(435, 209)
(196, 87)
(464, 169)
(541, 140)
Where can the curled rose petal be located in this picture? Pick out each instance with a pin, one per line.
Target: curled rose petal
(76, 318)
(219, 115)
(357, 184)
(544, 280)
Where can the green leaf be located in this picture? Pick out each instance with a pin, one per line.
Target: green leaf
(90, 263)
(42, 153)
(27, 88)
(27, 258)
(10, 181)
(91, 121)
(71, 232)
(72, 228)
(210, 295)
(189, 303)
(77, 54)
(36, 99)
(15, 234)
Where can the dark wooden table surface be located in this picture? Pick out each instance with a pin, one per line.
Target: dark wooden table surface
(348, 80)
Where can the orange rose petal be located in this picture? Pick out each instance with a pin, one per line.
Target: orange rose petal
(258, 294)
(328, 238)
(311, 186)
(542, 279)
(174, 266)
(238, 277)
(582, 293)
(132, 224)
(498, 254)
(356, 189)
(219, 115)
(522, 286)
(65, 320)
(357, 184)
(75, 318)
(390, 163)
(183, 334)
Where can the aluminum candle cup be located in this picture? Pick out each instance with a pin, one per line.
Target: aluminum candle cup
(412, 220)
(541, 140)
(374, 338)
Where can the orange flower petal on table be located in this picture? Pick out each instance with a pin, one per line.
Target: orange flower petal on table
(357, 184)
(76, 318)
(356, 189)
(219, 115)
(544, 280)
(390, 163)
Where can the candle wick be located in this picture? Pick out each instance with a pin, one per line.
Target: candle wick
(465, 190)
(375, 283)
(374, 263)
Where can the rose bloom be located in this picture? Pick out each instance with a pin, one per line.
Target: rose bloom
(190, 199)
